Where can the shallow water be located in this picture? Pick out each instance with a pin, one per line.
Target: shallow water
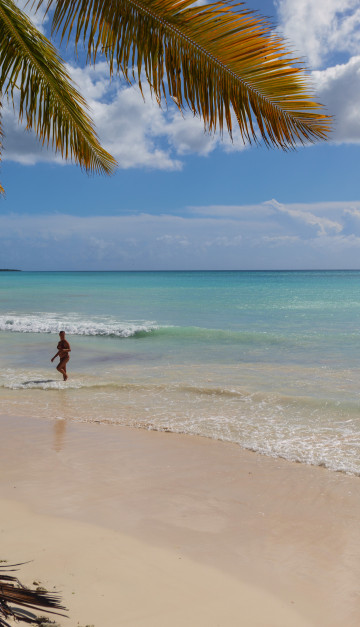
(270, 360)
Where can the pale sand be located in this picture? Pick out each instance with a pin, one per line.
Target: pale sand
(153, 529)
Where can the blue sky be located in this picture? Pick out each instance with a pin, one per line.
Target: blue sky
(182, 199)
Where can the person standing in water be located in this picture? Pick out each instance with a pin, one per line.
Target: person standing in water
(63, 353)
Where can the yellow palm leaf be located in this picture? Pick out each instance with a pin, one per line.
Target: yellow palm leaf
(2, 191)
(215, 59)
(33, 77)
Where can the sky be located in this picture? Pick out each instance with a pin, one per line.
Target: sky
(182, 199)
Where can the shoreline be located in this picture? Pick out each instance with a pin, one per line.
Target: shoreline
(68, 417)
(260, 527)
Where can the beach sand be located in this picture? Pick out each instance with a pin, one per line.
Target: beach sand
(149, 529)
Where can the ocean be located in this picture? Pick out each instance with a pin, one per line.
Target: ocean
(267, 360)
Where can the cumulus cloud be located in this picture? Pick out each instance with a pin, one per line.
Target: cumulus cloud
(339, 88)
(321, 31)
(317, 29)
(314, 235)
(137, 133)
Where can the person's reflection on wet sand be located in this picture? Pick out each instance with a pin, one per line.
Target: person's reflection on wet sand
(59, 434)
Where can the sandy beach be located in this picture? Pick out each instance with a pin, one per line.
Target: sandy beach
(154, 529)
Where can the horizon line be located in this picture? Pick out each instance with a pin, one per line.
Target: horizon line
(200, 270)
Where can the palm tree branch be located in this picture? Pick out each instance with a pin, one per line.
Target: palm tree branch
(12, 591)
(2, 191)
(214, 59)
(31, 68)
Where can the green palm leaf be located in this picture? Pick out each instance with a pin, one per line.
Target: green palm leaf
(31, 73)
(214, 59)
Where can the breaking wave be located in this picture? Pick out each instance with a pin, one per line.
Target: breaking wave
(74, 325)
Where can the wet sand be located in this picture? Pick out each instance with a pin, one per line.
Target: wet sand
(153, 529)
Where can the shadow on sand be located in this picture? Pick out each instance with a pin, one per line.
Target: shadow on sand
(40, 381)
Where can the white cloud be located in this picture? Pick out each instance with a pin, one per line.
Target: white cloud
(321, 30)
(224, 241)
(316, 28)
(137, 133)
(339, 88)
(186, 135)
(323, 225)
(173, 240)
(352, 211)
(339, 244)
(270, 207)
(235, 211)
(328, 207)
(142, 241)
(37, 17)
(281, 239)
(314, 235)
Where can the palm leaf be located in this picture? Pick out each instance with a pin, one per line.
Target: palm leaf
(31, 73)
(2, 191)
(215, 59)
(13, 592)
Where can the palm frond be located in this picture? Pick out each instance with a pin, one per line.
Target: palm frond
(13, 592)
(31, 70)
(215, 59)
(2, 191)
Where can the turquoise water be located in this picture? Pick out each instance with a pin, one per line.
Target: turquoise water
(270, 360)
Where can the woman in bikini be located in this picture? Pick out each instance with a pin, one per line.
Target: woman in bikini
(63, 353)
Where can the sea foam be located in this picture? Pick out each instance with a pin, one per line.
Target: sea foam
(73, 324)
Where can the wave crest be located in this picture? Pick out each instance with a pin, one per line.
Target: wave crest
(74, 325)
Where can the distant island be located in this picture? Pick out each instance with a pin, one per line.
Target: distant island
(8, 270)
